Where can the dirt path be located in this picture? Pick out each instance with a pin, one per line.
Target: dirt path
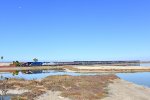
(123, 90)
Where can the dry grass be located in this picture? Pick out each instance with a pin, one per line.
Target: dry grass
(73, 87)
(79, 87)
(71, 68)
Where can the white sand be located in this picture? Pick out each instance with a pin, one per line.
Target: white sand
(123, 90)
(51, 96)
(16, 91)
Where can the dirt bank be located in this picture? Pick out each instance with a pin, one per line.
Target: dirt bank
(83, 69)
(98, 68)
(124, 90)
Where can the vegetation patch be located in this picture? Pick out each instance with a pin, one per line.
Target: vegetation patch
(73, 87)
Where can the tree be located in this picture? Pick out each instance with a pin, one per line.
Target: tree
(35, 60)
(16, 63)
(2, 57)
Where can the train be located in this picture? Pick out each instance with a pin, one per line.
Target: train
(123, 63)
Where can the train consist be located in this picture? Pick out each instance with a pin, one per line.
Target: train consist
(116, 63)
(103, 63)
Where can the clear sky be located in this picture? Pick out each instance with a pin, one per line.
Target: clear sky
(74, 29)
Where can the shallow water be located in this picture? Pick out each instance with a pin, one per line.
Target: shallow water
(42, 75)
(142, 78)
(145, 64)
(5, 98)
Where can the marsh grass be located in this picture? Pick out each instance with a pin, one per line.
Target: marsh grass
(80, 87)
(73, 87)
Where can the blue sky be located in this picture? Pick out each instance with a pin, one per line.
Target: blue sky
(74, 30)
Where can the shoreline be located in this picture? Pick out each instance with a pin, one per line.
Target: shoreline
(114, 88)
(119, 89)
(82, 69)
(107, 69)
(125, 90)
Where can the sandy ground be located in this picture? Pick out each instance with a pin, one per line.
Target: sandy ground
(51, 96)
(111, 67)
(97, 68)
(15, 91)
(124, 90)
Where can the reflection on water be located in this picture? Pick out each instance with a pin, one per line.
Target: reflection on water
(40, 75)
(142, 78)
(145, 64)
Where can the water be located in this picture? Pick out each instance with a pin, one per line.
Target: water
(145, 64)
(42, 75)
(142, 78)
(5, 98)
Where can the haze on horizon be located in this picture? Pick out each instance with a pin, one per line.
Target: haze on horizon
(70, 30)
